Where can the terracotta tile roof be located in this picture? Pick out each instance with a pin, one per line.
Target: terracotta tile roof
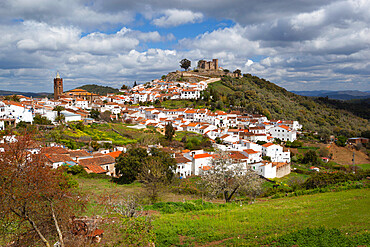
(200, 156)
(206, 168)
(94, 168)
(237, 155)
(266, 145)
(181, 159)
(250, 151)
(54, 158)
(257, 128)
(98, 160)
(13, 103)
(284, 127)
(79, 153)
(114, 154)
(233, 130)
(192, 124)
(279, 164)
(189, 111)
(221, 113)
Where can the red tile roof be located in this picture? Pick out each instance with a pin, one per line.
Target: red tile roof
(200, 156)
(92, 168)
(284, 127)
(114, 154)
(266, 145)
(237, 155)
(250, 151)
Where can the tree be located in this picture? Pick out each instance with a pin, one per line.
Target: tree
(41, 120)
(137, 160)
(156, 171)
(13, 97)
(124, 87)
(59, 117)
(135, 84)
(341, 141)
(106, 116)
(129, 165)
(95, 114)
(35, 199)
(169, 131)
(227, 176)
(185, 64)
(310, 158)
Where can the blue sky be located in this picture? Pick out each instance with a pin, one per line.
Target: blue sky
(299, 45)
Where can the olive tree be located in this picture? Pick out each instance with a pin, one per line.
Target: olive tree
(228, 176)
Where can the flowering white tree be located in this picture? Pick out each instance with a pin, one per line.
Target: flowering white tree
(228, 176)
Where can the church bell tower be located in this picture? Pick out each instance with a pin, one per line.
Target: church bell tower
(58, 87)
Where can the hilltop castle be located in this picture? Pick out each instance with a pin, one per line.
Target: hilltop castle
(208, 65)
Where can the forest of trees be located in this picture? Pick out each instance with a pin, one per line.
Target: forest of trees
(101, 90)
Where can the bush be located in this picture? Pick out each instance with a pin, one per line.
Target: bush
(173, 207)
(319, 180)
(341, 141)
(133, 232)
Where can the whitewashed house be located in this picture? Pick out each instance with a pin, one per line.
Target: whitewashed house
(283, 133)
(275, 152)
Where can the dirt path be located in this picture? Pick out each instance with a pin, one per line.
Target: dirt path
(343, 155)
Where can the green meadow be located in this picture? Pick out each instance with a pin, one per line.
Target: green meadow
(338, 216)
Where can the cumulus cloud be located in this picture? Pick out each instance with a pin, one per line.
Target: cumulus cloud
(296, 44)
(176, 17)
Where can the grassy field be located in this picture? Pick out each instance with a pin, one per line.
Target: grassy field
(364, 166)
(261, 223)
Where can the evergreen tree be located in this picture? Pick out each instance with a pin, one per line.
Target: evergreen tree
(169, 131)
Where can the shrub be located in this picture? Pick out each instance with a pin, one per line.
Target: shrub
(318, 180)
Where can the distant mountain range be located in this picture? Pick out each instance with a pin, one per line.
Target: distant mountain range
(92, 88)
(340, 95)
(27, 94)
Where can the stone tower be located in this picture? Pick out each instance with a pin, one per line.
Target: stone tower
(58, 87)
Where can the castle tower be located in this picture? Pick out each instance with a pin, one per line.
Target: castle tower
(58, 87)
(215, 64)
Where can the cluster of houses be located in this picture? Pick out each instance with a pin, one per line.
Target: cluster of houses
(78, 102)
(159, 90)
(232, 132)
(100, 162)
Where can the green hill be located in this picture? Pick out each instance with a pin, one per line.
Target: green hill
(101, 90)
(251, 94)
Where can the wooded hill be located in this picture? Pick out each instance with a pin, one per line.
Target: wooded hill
(101, 90)
(255, 95)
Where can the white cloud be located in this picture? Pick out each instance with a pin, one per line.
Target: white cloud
(176, 17)
(296, 44)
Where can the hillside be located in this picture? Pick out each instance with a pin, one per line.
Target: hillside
(339, 95)
(101, 90)
(27, 94)
(255, 95)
